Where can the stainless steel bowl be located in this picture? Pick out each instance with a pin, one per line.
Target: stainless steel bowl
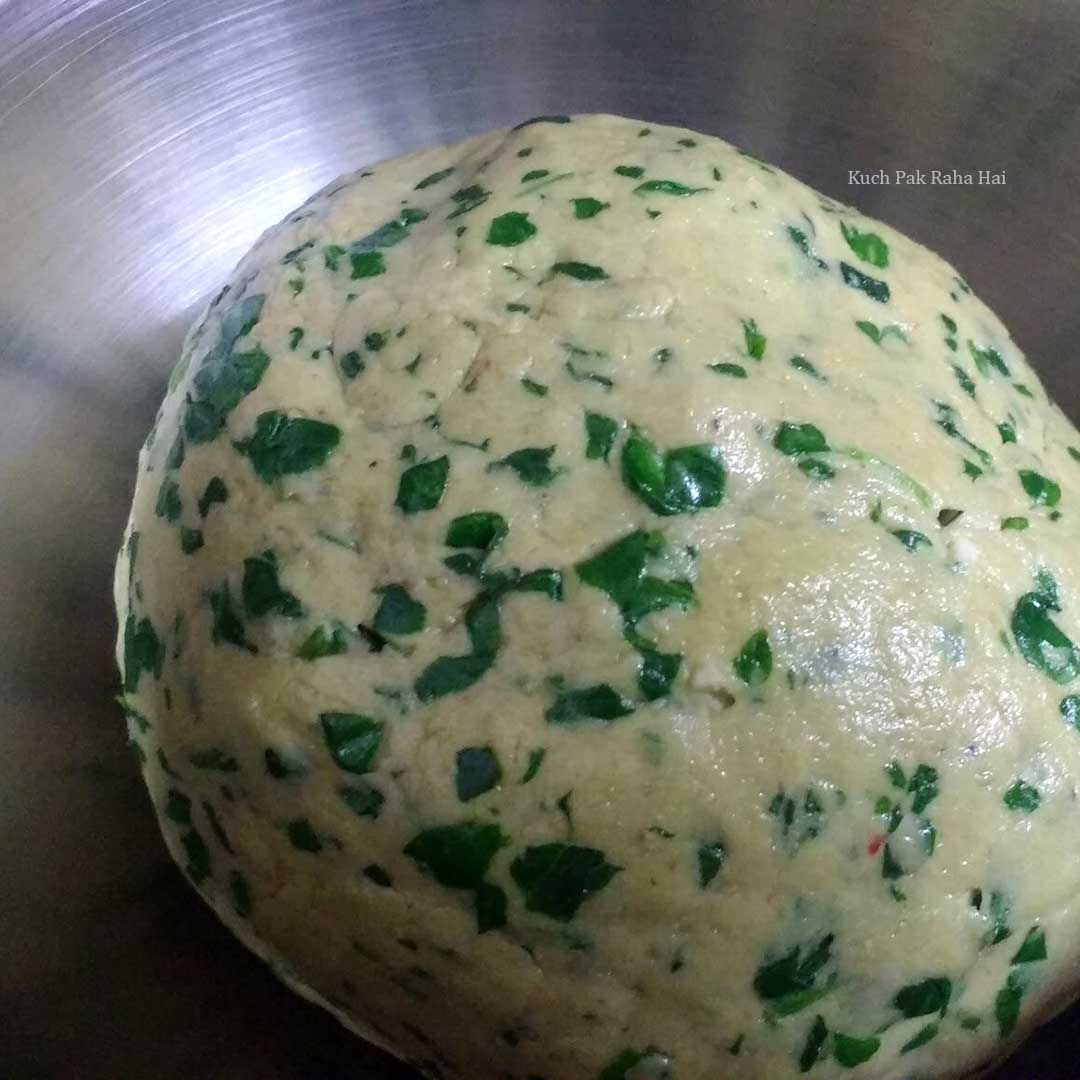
(144, 144)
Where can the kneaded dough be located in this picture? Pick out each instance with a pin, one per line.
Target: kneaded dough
(594, 607)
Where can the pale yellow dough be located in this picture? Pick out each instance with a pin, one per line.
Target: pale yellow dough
(843, 826)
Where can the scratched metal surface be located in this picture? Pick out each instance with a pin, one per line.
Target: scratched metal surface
(144, 144)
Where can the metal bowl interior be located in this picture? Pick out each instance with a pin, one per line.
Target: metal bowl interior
(144, 145)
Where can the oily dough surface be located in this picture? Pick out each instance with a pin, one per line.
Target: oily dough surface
(596, 609)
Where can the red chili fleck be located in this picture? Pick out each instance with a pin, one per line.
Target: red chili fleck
(875, 844)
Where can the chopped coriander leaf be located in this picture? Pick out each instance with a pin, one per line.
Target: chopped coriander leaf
(802, 242)
(216, 492)
(794, 439)
(1015, 524)
(1041, 642)
(600, 434)
(226, 624)
(800, 363)
(873, 287)
(556, 878)
(754, 663)
(512, 228)
(168, 504)
(1007, 432)
(911, 539)
(792, 982)
(534, 388)
(366, 264)
(878, 334)
(481, 529)
(582, 271)
(923, 998)
(325, 640)
(536, 759)
(535, 174)
(283, 445)
(531, 464)
(588, 208)
(434, 178)
(967, 384)
(1022, 797)
(867, 246)
(352, 739)
(302, 836)
(191, 540)
(754, 340)
(1032, 949)
(710, 858)
(736, 371)
(421, 486)
(680, 481)
(457, 856)
(987, 359)
(666, 187)
(451, 675)
(262, 592)
(851, 1052)
(1042, 491)
(657, 672)
(363, 799)
(598, 702)
(634, 172)
(477, 771)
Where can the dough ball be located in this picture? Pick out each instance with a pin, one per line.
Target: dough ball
(596, 609)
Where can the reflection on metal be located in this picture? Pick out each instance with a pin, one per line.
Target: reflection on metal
(144, 144)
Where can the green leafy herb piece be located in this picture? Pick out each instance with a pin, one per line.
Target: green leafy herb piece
(476, 771)
(924, 786)
(177, 807)
(657, 672)
(1015, 524)
(198, 855)
(451, 675)
(468, 198)
(143, 652)
(214, 759)
(261, 591)
(302, 836)
(216, 827)
(873, 287)
(588, 208)
(800, 820)
(578, 375)
(388, 235)
(736, 371)
(850, 1051)
(816, 469)
(398, 612)
(1042, 644)
(1022, 797)
(367, 264)
(1070, 710)
(457, 856)
(794, 439)
(352, 739)
(666, 187)
(434, 178)
(327, 639)
(282, 445)
(1032, 949)
(168, 504)
(581, 271)
(791, 982)
(226, 377)
(534, 174)
(598, 702)
(226, 624)
(600, 434)
(1042, 491)
(421, 486)
(536, 759)
(911, 539)
(680, 481)
(802, 242)
(920, 1038)
(814, 1047)
(877, 334)
(967, 384)
(534, 388)
(1007, 432)
(754, 340)
(352, 364)
(216, 492)
(987, 359)
(531, 464)
(1007, 1005)
(754, 663)
(482, 529)
(924, 998)
(363, 799)
(710, 858)
(867, 246)
(950, 324)
(511, 229)
(191, 540)
(634, 172)
(556, 878)
(800, 363)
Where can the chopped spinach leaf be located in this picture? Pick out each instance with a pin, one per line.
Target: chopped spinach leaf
(754, 663)
(923, 998)
(911, 539)
(512, 228)
(143, 652)
(920, 1038)
(850, 1051)
(216, 492)
(556, 878)
(168, 504)
(327, 639)
(588, 208)
(198, 855)
(363, 799)
(710, 858)
(214, 759)
(634, 172)
(598, 702)
(873, 287)
(680, 481)
(226, 624)
(600, 434)
(666, 187)
(794, 439)
(1043, 492)
(262, 592)
(867, 246)
(352, 739)
(736, 371)
(580, 270)
(754, 340)
(477, 771)
(421, 486)
(1032, 949)
(398, 612)
(814, 1047)
(531, 464)
(434, 178)
(1042, 644)
(534, 388)
(987, 359)
(1022, 797)
(282, 445)
(457, 856)
(1007, 1005)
